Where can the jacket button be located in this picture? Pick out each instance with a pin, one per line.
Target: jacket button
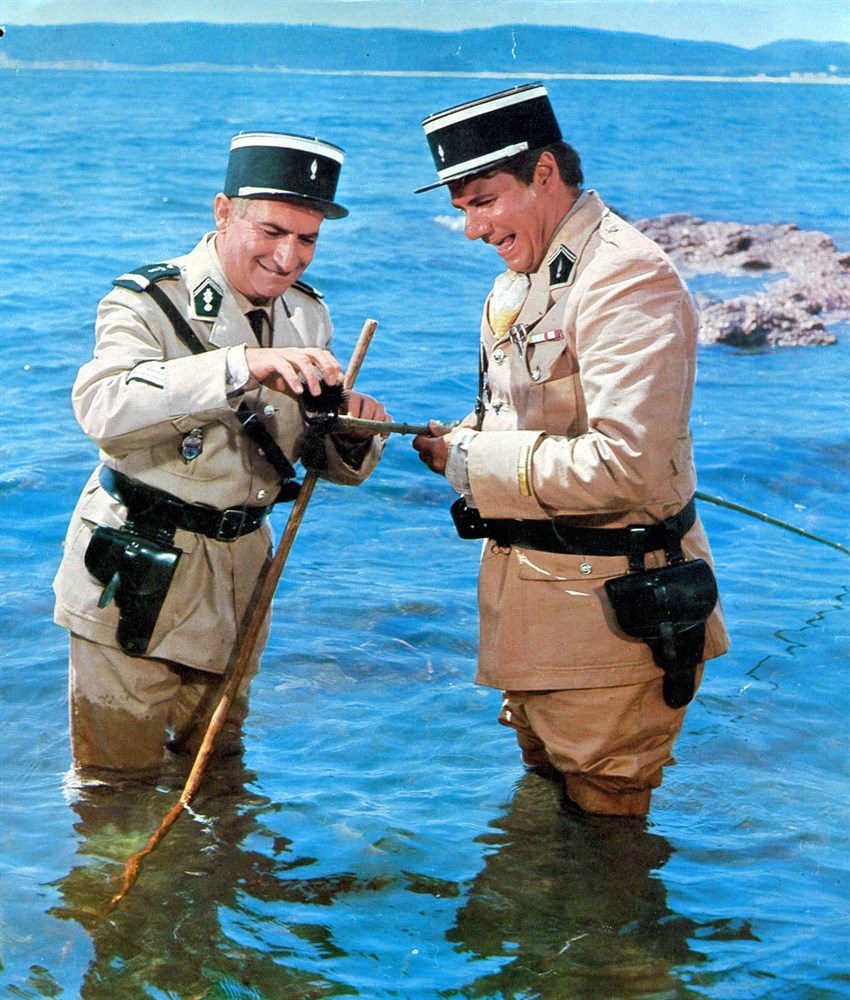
(498, 355)
(535, 375)
(261, 494)
(585, 568)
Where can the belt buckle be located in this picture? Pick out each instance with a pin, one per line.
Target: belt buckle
(231, 524)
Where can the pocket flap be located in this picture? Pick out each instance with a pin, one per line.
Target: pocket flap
(557, 566)
(552, 359)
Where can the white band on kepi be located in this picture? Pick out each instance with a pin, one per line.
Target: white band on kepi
(254, 192)
(474, 108)
(470, 166)
(281, 141)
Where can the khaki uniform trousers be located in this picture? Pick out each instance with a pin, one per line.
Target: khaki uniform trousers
(126, 711)
(610, 744)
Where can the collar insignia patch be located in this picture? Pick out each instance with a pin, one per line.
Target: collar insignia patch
(560, 266)
(207, 299)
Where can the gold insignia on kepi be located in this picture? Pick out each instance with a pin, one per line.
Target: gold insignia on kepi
(207, 299)
(561, 266)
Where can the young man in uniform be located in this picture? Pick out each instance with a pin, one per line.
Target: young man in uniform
(193, 398)
(577, 467)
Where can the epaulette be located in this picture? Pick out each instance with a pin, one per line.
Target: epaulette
(138, 280)
(302, 286)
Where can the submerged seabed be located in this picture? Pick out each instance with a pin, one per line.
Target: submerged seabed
(379, 838)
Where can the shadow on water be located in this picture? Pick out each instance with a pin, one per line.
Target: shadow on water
(566, 905)
(575, 907)
(178, 932)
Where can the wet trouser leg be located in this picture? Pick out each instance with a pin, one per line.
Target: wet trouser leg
(610, 744)
(125, 710)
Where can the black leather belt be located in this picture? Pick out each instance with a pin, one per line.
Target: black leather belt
(164, 511)
(556, 536)
(552, 536)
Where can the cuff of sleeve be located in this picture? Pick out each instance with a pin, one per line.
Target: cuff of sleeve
(457, 463)
(500, 473)
(236, 374)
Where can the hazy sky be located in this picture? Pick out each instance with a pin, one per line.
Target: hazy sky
(739, 22)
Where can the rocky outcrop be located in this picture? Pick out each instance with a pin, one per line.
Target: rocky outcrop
(803, 284)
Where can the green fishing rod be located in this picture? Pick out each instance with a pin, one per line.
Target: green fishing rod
(757, 514)
(378, 426)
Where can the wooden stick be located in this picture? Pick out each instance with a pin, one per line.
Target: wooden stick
(393, 427)
(247, 644)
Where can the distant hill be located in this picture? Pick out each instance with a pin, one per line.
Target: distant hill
(521, 49)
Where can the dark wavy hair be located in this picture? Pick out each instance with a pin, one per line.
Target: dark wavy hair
(522, 166)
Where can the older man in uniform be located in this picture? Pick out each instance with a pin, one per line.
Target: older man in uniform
(193, 397)
(596, 597)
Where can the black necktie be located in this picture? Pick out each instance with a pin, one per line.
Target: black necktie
(257, 319)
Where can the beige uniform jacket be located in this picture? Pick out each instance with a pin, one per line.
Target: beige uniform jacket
(137, 399)
(587, 420)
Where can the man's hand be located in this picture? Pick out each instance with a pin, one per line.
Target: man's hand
(434, 451)
(291, 369)
(358, 404)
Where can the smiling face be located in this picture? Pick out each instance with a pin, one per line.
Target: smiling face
(265, 246)
(518, 219)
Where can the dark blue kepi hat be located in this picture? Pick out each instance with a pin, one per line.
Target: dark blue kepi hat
(282, 167)
(478, 136)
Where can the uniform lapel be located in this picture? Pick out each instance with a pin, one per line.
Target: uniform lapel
(562, 260)
(538, 301)
(213, 301)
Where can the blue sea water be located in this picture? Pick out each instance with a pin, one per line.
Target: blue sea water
(380, 839)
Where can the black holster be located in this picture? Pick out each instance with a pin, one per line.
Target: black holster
(136, 572)
(470, 524)
(668, 608)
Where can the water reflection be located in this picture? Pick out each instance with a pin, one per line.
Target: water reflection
(182, 928)
(574, 906)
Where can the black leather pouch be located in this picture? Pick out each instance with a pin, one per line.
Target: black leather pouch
(136, 573)
(668, 608)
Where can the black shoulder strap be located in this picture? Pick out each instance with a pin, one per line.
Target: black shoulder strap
(176, 318)
(314, 293)
(255, 430)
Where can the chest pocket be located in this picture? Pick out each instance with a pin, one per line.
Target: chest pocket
(553, 399)
(549, 360)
